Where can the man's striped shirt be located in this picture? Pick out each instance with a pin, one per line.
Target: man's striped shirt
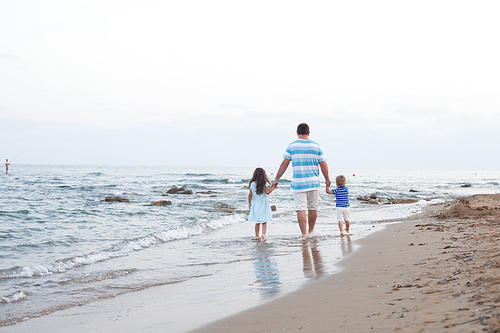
(305, 156)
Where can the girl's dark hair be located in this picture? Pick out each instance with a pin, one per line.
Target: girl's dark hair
(260, 179)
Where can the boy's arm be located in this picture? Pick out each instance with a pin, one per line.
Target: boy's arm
(328, 190)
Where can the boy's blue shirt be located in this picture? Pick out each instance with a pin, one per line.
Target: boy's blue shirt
(342, 196)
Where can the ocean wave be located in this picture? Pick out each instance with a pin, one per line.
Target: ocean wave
(121, 249)
(15, 297)
(99, 276)
(22, 211)
(218, 181)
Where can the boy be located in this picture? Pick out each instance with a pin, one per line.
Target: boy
(342, 196)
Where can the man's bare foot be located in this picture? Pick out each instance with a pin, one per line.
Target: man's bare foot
(342, 233)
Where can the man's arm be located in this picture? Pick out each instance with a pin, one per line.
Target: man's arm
(281, 170)
(324, 171)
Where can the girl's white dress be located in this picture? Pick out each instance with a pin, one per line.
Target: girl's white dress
(260, 210)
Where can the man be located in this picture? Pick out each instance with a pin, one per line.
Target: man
(307, 160)
(7, 166)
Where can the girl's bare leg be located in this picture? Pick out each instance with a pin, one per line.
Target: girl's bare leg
(264, 230)
(341, 228)
(257, 229)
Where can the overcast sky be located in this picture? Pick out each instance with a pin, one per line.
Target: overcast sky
(382, 84)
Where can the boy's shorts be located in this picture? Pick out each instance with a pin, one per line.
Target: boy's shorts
(306, 200)
(343, 213)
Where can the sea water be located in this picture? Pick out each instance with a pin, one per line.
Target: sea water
(63, 246)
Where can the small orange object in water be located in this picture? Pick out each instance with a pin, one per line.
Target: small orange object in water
(353, 174)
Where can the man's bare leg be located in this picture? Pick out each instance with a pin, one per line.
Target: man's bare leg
(312, 215)
(302, 218)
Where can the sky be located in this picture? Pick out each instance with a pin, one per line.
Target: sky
(382, 84)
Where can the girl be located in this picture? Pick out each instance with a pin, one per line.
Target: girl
(260, 209)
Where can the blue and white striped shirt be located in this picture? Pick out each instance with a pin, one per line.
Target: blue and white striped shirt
(305, 156)
(342, 196)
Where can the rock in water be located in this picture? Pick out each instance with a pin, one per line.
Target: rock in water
(162, 203)
(222, 208)
(186, 192)
(175, 190)
(116, 199)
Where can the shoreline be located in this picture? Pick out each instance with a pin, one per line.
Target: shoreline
(435, 270)
(439, 270)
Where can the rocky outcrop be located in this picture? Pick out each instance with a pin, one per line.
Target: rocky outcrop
(375, 200)
(179, 190)
(161, 203)
(221, 208)
(116, 199)
(206, 192)
(401, 201)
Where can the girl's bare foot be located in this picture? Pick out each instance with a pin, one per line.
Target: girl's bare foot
(263, 237)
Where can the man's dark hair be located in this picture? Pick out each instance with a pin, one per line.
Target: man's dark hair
(303, 129)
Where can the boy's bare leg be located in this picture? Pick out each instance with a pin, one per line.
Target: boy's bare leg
(302, 218)
(257, 228)
(347, 226)
(312, 215)
(264, 230)
(341, 227)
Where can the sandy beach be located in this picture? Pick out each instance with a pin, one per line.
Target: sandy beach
(436, 272)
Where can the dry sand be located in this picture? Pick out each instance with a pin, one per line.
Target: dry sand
(436, 272)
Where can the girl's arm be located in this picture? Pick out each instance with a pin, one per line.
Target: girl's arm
(250, 199)
(269, 190)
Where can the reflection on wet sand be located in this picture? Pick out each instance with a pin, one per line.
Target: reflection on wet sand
(346, 245)
(267, 273)
(312, 261)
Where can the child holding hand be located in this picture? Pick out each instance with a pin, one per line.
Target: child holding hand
(342, 196)
(260, 208)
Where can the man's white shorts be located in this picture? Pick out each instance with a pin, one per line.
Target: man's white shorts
(306, 200)
(343, 213)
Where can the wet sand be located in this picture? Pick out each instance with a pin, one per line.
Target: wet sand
(436, 272)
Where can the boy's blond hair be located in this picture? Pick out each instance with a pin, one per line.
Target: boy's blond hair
(340, 180)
